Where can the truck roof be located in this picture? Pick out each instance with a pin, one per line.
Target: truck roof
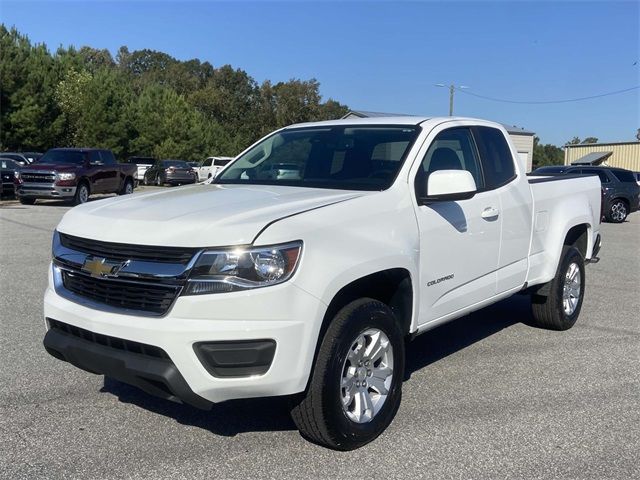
(390, 120)
(78, 149)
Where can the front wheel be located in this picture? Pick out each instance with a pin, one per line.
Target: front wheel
(558, 308)
(355, 388)
(617, 212)
(27, 201)
(127, 188)
(82, 194)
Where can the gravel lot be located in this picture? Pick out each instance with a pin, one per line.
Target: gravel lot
(487, 397)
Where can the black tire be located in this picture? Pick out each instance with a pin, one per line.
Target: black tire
(548, 308)
(617, 211)
(126, 191)
(79, 198)
(159, 181)
(318, 413)
(27, 201)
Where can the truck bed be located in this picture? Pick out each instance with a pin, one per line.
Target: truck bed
(557, 199)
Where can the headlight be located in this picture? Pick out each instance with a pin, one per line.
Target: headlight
(219, 271)
(66, 176)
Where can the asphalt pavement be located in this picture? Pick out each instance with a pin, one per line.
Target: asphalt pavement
(487, 395)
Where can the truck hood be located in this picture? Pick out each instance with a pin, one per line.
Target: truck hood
(198, 216)
(59, 167)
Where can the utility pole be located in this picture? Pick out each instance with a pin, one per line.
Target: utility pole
(452, 90)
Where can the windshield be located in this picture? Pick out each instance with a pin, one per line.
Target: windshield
(71, 157)
(8, 164)
(13, 156)
(175, 163)
(341, 157)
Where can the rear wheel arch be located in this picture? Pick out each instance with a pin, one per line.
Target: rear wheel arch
(578, 236)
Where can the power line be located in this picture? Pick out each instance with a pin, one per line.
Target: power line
(568, 100)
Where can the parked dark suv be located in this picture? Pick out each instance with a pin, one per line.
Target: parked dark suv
(620, 191)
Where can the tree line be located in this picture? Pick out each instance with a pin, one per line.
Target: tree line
(141, 102)
(547, 154)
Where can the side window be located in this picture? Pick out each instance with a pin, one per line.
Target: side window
(497, 162)
(94, 157)
(623, 176)
(452, 149)
(107, 157)
(207, 162)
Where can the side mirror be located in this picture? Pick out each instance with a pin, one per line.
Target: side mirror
(449, 185)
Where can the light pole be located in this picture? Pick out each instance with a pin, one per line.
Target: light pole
(452, 89)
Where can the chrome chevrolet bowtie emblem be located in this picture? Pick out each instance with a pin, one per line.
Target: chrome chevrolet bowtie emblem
(101, 267)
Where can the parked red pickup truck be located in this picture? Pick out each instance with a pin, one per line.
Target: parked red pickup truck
(72, 174)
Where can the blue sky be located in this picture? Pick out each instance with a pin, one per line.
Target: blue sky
(386, 56)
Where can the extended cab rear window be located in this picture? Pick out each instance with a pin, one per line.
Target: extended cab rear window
(497, 162)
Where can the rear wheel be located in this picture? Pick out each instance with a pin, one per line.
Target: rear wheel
(27, 201)
(558, 308)
(618, 211)
(159, 181)
(355, 388)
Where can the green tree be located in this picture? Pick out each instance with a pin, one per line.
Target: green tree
(590, 140)
(166, 126)
(103, 120)
(28, 76)
(546, 154)
(70, 95)
(143, 101)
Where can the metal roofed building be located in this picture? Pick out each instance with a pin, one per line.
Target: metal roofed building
(522, 139)
(620, 154)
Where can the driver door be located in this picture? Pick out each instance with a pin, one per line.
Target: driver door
(459, 240)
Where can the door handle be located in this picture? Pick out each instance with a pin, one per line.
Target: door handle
(490, 212)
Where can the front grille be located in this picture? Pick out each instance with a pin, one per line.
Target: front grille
(107, 341)
(123, 251)
(153, 298)
(38, 177)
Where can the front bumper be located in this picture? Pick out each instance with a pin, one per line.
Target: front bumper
(47, 191)
(284, 313)
(155, 375)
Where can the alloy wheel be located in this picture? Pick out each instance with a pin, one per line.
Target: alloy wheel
(367, 374)
(571, 289)
(618, 211)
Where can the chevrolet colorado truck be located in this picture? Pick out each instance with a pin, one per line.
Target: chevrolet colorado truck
(307, 283)
(72, 174)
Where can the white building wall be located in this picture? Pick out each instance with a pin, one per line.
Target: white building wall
(524, 145)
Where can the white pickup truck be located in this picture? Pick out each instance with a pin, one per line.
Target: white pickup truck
(307, 283)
